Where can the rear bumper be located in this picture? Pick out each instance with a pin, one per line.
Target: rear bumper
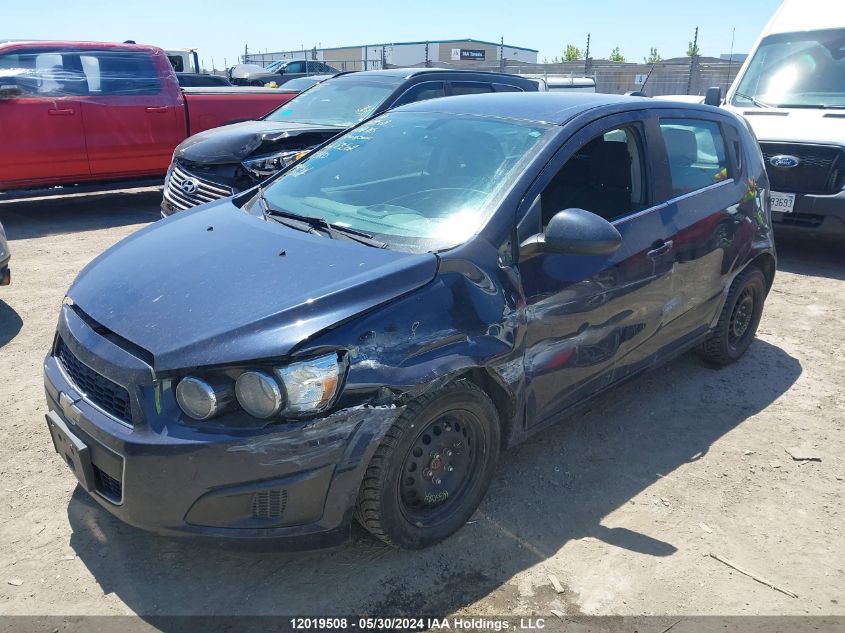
(814, 214)
(294, 483)
(5, 273)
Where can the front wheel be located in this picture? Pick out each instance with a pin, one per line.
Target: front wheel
(432, 468)
(739, 319)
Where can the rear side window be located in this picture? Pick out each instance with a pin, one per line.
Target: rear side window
(470, 88)
(696, 153)
(506, 88)
(120, 73)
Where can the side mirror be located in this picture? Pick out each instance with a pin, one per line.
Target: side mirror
(575, 232)
(10, 91)
(713, 96)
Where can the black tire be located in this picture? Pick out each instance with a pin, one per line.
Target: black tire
(739, 319)
(461, 426)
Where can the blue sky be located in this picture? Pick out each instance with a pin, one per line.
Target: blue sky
(220, 28)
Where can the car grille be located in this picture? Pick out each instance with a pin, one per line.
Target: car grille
(108, 395)
(107, 485)
(206, 191)
(821, 169)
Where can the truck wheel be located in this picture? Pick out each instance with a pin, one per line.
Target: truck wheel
(432, 468)
(739, 319)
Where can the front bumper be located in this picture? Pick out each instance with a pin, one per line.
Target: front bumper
(294, 484)
(814, 214)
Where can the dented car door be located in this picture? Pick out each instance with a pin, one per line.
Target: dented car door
(591, 319)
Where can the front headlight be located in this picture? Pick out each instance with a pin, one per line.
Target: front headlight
(269, 164)
(310, 385)
(201, 399)
(303, 387)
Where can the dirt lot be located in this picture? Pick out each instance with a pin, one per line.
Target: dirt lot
(622, 504)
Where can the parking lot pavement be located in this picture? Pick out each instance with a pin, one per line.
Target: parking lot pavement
(621, 503)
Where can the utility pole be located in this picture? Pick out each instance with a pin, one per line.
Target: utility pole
(587, 57)
(693, 61)
(502, 54)
(246, 53)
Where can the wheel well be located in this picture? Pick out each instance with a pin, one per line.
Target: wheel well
(502, 400)
(766, 263)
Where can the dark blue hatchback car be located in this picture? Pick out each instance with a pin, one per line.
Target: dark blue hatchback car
(366, 333)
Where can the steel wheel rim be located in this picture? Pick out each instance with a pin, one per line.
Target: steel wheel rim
(742, 316)
(440, 467)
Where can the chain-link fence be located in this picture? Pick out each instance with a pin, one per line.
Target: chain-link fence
(684, 76)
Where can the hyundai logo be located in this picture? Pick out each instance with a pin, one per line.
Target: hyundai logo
(784, 161)
(189, 186)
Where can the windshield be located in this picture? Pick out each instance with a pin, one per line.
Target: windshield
(343, 101)
(800, 70)
(416, 181)
(274, 66)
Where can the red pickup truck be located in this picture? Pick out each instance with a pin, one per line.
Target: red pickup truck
(77, 113)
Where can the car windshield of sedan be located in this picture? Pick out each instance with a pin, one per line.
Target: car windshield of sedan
(342, 101)
(415, 181)
(796, 70)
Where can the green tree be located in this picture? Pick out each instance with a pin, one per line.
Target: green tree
(653, 56)
(616, 56)
(572, 53)
(693, 50)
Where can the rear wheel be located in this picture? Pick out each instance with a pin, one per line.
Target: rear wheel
(432, 468)
(739, 319)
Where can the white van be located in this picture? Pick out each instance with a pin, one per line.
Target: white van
(561, 83)
(791, 89)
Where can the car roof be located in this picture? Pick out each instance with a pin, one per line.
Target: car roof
(407, 73)
(542, 107)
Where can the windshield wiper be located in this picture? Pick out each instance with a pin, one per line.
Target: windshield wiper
(754, 100)
(314, 225)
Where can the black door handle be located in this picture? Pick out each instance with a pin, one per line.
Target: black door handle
(660, 248)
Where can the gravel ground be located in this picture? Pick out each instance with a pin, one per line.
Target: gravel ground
(622, 503)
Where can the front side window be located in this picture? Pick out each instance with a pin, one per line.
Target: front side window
(43, 74)
(423, 91)
(417, 181)
(605, 176)
(470, 88)
(696, 153)
(343, 101)
(796, 70)
(295, 67)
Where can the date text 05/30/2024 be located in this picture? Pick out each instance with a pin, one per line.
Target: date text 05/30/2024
(417, 624)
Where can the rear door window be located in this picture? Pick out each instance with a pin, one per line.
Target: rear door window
(695, 149)
(506, 88)
(120, 73)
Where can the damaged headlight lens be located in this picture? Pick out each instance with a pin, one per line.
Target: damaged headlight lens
(303, 387)
(269, 164)
(310, 385)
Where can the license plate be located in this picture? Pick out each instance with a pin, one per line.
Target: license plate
(72, 450)
(781, 202)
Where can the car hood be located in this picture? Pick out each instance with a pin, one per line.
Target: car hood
(798, 125)
(215, 285)
(235, 142)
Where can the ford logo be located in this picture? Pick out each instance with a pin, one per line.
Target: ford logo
(784, 161)
(189, 186)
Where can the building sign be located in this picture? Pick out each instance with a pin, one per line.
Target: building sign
(463, 54)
